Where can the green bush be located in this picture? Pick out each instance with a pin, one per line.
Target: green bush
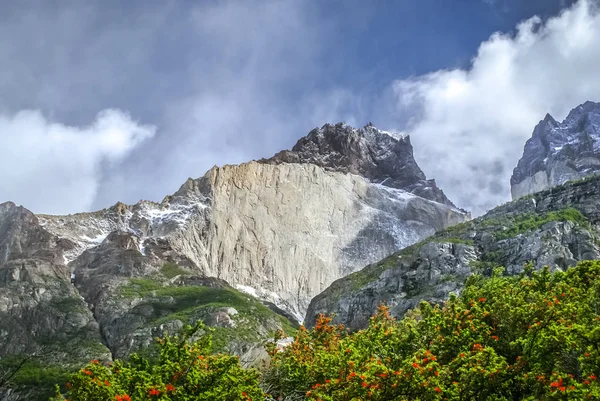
(531, 337)
(185, 370)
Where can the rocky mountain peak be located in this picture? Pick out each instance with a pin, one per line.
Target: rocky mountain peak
(559, 152)
(382, 157)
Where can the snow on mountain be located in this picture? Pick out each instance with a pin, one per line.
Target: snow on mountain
(559, 151)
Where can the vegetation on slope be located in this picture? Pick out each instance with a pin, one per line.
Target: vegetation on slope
(530, 337)
(190, 302)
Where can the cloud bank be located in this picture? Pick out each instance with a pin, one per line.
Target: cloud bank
(469, 127)
(49, 166)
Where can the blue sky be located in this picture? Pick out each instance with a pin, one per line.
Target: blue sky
(101, 102)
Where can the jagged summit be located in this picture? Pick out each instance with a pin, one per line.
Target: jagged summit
(559, 151)
(382, 157)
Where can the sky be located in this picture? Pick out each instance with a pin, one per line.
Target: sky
(112, 101)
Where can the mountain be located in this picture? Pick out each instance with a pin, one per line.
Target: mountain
(559, 152)
(280, 230)
(244, 248)
(382, 157)
(556, 227)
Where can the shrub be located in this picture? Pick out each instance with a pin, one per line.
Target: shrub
(533, 337)
(185, 370)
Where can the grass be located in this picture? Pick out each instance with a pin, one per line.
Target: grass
(190, 301)
(526, 222)
(170, 270)
(38, 378)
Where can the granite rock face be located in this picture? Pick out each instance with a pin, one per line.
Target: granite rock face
(282, 229)
(281, 232)
(559, 152)
(557, 228)
(379, 156)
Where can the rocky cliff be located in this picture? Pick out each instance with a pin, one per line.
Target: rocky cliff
(559, 151)
(556, 227)
(285, 228)
(43, 320)
(381, 157)
(280, 230)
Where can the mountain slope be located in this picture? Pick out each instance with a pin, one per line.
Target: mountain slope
(281, 231)
(557, 227)
(559, 152)
(277, 230)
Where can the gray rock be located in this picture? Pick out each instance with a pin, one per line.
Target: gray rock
(439, 265)
(381, 157)
(559, 152)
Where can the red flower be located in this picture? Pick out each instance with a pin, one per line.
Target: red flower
(482, 299)
(170, 387)
(364, 384)
(106, 383)
(438, 390)
(154, 392)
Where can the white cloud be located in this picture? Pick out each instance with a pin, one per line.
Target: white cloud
(53, 168)
(470, 126)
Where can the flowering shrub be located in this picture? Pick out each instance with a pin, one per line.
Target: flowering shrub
(185, 370)
(533, 337)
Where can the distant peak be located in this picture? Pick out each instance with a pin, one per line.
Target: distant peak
(549, 119)
(377, 155)
(584, 108)
(369, 131)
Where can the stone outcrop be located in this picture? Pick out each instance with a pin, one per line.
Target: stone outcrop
(559, 152)
(557, 228)
(379, 156)
(42, 317)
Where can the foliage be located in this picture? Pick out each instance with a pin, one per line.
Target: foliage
(532, 337)
(187, 303)
(170, 270)
(525, 222)
(185, 370)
